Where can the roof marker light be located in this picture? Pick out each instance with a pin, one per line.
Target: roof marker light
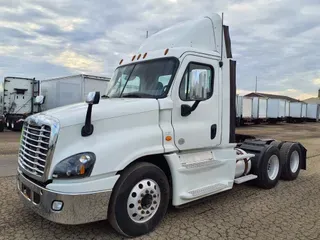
(133, 58)
(145, 55)
(139, 56)
(166, 51)
(121, 62)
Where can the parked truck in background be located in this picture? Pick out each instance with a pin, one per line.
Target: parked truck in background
(19, 95)
(164, 133)
(18, 100)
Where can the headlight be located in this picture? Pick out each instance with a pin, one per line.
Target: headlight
(76, 166)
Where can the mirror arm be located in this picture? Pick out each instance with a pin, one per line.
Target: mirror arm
(195, 105)
(87, 129)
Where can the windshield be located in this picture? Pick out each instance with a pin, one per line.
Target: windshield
(143, 80)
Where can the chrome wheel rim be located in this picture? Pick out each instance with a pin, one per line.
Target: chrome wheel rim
(294, 161)
(143, 201)
(273, 167)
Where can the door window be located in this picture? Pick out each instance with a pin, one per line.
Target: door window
(197, 83)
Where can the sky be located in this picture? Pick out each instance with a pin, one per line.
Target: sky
(276, 41)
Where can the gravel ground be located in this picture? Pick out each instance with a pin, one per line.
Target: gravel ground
(291, 210)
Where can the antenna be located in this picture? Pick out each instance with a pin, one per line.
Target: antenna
(256, 83)
(221, 62)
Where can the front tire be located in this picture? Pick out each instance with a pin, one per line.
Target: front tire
(139, 200)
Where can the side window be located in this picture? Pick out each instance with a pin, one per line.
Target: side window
(197, 83)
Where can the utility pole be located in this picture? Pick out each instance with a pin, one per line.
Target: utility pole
(256, 84)
(147, 34)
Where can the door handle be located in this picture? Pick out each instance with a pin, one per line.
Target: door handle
(213, 131)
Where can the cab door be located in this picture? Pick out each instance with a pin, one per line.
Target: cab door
(196, 112)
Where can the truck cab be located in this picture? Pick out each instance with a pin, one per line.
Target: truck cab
(163, 133)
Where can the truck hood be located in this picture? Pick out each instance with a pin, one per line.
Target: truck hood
(107, 108)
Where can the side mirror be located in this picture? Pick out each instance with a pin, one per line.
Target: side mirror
(186, 110)
(93, 98)
(39, 100)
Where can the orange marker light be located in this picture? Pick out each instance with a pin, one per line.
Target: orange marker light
(166, 51)
(145, 55)
(121, 62)
(82, 170)
(133, 58)
(139, 57)
(168, 138)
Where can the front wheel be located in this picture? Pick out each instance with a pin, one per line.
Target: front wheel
(139, 200)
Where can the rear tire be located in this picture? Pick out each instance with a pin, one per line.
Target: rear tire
(13, 126)
(276, 144)
(139, 200)
(1, 126)
(8, 124)
(269, 169)
(290, 154)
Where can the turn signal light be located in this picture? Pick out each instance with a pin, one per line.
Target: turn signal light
(168, 138)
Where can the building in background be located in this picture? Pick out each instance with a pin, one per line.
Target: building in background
(315, 100)
(272, 96)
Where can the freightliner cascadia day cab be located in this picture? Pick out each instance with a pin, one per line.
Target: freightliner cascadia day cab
(164, 133)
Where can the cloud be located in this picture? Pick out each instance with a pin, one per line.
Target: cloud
(275, 40)
(78, 62)
(316, 81)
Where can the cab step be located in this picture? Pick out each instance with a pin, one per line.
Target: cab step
(245, 178)
(209, 189)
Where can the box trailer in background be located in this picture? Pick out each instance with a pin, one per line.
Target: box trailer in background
(2, 119)
(72, 89)
(304, 111)
(276, 110)
(262, 113)
(18, 100)
(313, 112)
(247, 104)
(239, 104)
(295, 112)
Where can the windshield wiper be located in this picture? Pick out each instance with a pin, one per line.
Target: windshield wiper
(132, 95)
(105, 96)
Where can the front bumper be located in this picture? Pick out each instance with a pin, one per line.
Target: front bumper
(77, 208)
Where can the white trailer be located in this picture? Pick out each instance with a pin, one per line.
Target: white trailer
(276, 109)
(297, 111)
(247, 109)
(304, 111)
(313, 112)
(129, 155)
(71, 89)
(239, 106)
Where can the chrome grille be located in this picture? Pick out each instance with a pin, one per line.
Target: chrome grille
(34, 148)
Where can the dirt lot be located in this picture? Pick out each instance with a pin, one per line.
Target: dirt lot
(289, 211)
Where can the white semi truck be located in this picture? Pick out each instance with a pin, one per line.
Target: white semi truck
(164, 133)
